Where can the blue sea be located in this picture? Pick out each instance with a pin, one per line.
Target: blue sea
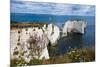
(64, 44)
(58, 19)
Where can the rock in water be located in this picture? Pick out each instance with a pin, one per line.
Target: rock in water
(74, 27)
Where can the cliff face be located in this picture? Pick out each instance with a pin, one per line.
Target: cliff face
(74, 27)
(53, 33)
(25, 41)
(33, 42)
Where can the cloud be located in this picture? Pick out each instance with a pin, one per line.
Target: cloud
(51, 8)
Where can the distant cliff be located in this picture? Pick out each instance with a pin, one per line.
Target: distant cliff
(74, 26)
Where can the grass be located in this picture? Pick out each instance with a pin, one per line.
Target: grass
(73, 56)
(25, 25)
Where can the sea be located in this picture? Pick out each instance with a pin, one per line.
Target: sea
(69, 42)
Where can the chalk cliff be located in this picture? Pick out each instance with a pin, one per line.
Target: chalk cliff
(27, 40)
(53, 33)
(33, 42)
(74, 27)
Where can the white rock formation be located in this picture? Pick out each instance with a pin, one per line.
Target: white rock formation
(73, 26)
(52, 32)
(23, 39)
(26, 39)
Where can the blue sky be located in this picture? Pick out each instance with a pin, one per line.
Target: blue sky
(51, 8)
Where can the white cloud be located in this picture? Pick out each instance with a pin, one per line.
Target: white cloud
(89, 2)
(51, 8)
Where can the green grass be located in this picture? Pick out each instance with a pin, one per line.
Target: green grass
(26, 25)
(73, 56)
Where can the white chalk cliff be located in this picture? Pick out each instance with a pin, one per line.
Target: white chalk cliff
(74, 27)
(26, 39)
(22, 40)
(52, 32)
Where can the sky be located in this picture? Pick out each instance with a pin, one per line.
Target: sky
(20, 6)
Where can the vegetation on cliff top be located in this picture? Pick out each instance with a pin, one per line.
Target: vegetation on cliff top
(73, 56)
